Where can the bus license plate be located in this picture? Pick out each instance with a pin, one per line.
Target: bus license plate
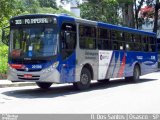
(27, 76)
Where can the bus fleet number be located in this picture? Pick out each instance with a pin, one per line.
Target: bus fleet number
(36, 66)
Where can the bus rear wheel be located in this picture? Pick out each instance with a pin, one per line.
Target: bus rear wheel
(85, 80)
(136, 75)
(43, 85)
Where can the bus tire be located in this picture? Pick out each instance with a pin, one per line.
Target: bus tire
(85, 80)
(103, 81)
(43, 85)
(136, 75)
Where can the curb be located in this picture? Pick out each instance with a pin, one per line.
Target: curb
(16, 85)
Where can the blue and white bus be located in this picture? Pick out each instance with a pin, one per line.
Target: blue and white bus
(49, 48)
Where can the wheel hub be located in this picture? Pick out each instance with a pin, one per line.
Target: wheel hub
(137, 73)
(84, 79)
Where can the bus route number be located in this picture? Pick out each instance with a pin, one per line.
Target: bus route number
(18, 22)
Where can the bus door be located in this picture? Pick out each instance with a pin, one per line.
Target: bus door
(68, 45)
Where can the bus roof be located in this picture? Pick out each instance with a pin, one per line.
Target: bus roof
(90, 22)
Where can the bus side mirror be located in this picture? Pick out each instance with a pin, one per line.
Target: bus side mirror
(5, 35)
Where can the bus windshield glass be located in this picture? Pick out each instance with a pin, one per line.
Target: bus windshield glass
(33, 42)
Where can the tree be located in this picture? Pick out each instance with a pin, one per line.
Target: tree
(100, 10)
(48, 3)
(157, 7)
(131, 10)
(108, 10)
(137, 10)
(6, 11)
(30, 5)
(128, 15)
(150, 11)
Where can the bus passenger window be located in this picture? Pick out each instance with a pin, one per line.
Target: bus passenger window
(117, 40)
(152, 44)
(145, 43)
(87, 38)
(104, 43)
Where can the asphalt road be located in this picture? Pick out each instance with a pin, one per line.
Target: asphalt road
(118, 96)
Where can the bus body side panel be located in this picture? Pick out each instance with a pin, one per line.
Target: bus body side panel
(117, 64)
(111, 64)
(146, 61)
(150, 63)
(104, 63)
(87, 57)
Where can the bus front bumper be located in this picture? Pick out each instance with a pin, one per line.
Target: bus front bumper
(52, 76)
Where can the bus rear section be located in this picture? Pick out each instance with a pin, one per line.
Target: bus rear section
(131, 65)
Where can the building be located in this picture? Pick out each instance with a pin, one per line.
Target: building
(71, 6)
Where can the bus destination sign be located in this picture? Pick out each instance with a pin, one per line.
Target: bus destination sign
(28, 21)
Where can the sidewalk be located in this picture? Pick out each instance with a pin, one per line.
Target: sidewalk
(7, 83)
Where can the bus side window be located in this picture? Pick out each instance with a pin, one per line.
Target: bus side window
(113, 39)
(68, 39)
(129, 44)
(87, 38)
(136, 42)
(152, 44)
(104, 43)
(117, 40)
(145, 43)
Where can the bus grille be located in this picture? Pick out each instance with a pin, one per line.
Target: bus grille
(34, 77)
(33, 70)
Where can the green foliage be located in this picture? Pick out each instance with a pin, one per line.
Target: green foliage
(6, 10)
(52, 11)
(3, 58)
(125, 1)
(100, 10)
(48, 3)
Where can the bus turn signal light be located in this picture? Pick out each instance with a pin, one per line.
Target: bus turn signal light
(17, 66)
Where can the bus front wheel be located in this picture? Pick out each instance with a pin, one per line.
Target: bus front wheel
(85, 80)
(43, 85)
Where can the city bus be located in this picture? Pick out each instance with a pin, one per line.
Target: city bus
(50, 48)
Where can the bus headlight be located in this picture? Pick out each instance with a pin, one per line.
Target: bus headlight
(12, 69)
(52, 67)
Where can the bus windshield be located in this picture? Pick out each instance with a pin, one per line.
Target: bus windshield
(33, 42)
